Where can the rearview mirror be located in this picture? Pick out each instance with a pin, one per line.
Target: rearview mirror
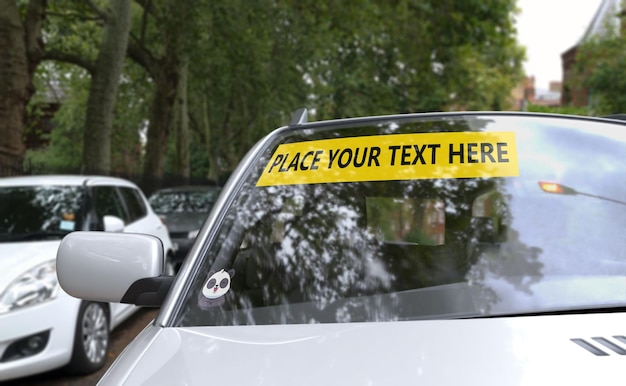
(113, 224)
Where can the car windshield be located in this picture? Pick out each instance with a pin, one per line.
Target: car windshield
(184, 201)
(404, 219)
(32, 213)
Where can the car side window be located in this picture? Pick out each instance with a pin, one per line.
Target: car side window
(134, 203)
(108, 202)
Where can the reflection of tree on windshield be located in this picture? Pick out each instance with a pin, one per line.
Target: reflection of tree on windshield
(319, 244)
(511, 261)
(497, 249)
(312, 244)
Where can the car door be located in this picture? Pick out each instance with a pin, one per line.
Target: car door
(140, 218)
(107, 202)
(125, 203)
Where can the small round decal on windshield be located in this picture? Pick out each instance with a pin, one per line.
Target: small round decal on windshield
(216, 286)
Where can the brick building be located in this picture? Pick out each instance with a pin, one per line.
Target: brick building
(606, 17)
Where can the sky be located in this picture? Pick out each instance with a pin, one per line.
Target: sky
(547, 28)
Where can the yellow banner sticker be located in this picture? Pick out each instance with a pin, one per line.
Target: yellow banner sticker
(393, 157)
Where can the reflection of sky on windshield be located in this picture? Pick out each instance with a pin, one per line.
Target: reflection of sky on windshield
(579, 236)
(569, 156)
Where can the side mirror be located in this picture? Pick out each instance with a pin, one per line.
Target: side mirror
(113, 267)
(113, 224)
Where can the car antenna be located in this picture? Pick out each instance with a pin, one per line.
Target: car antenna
(300, 116)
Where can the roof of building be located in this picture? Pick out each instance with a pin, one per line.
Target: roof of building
(604, 21)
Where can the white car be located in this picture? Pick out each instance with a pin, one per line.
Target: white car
(41, 326)
(467, 248)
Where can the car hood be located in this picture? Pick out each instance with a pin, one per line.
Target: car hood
(184, 222)
(17, 258)
(530, 350)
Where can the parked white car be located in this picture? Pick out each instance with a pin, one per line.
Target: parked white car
(41, 326)
(467, 248)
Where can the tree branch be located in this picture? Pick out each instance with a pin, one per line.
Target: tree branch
(147, 9)
(97, 10)
(140, 55)
(71, 59)
(75, 15)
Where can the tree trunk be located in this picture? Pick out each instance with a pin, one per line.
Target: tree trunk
(161, 118)
(21, 47)
(172, 18)
(181, 125)
(103, 91)
(213, 172)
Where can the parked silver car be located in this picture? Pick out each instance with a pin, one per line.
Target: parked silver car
(184, 210)
(468, 248)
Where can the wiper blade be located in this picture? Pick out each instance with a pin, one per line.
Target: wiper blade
(565, 311)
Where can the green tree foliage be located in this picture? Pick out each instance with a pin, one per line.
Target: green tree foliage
(253, 62)
(343, 59)
(409, 56)
(570, 110)
(64, 153)
(248, 81)
(601, 70)
(71, 85)
(74, 34)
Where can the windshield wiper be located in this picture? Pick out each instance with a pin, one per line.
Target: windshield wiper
(565, 311)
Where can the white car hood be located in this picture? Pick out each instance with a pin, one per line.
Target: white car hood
(531, 350)
(17, 258)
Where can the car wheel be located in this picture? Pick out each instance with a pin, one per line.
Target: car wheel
(91, 339)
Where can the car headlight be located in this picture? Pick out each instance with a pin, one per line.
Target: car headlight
(37, 285)
(193, 234)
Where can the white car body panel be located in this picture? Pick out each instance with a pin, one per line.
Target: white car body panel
(58, 315)
(530, 350)
(146, 226)
(54, 316)
(18, 258)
